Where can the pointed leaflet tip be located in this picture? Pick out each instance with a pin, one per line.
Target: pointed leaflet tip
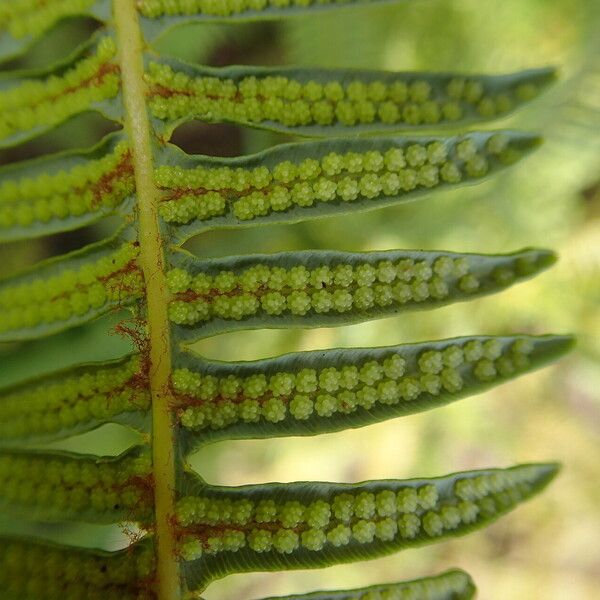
(325, 288)
(310, 393)
(302, 525)
(451, 585)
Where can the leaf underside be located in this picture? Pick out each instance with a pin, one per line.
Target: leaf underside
(311, 525)
(264, 527)
(61, 486)
(326, 288)
(33, 570)
(322, 102)
(316, 392)
(451, 585)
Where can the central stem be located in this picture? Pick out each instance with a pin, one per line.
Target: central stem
(152, 263)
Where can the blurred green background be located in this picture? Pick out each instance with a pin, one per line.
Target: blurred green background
(549, 548)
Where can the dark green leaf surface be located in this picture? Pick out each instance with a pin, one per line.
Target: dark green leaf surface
(307, 524)
(70, 290)
(103, 339)
(37, 570)
(316, 392)
(75, 401)
(318, 102)
(62, 486)
(293, 182)
(325, 288)
(65, 191)
(451, 585)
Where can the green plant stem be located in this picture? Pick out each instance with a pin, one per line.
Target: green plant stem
(152, 264)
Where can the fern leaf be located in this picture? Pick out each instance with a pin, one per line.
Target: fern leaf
(60, 65)
(319, 102)
(75, 401)
(293, 182)
(31, 107)
(65, 191)
(316, 392)
(61, 486)
(36, 570)
(178, 401)
(312, 289)
(22, 21)
(69, 290)
(175, 12)
(303, 525)
(451, 585)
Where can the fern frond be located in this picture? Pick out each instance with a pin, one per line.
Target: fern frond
(325, 288)
(36, 570)
(65, 191)
(176, 401)
(32, 106)
(316, 392)
(308, 525)
(451, 585)
(70, 290)
(294, 182)
(22, 21)
(63, 486)
(75, 401)
(318, 102)
(175, 12)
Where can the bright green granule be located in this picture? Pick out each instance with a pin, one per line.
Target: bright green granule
(291, 514)
(433, 524)
(407, 500)
(386, 529)
(260, 540)
(314, 539)
(409, 526)
(340, 535)
(285, 541)
(364, 531)
(364, 505)
(318, 514)
(427, 496)
(386, 503)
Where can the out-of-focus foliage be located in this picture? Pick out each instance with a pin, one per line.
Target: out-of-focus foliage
(547, 550)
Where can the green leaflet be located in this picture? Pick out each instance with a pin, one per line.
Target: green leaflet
(32, 106)
(316, 392)
(158, 16)
(303, 525)
(75, 401)
(451, 585)
(59, 66)
(69, 290)
(65, 191)
(312, 289)
(62, 486)
(321, 102)
(239, 10)
(21, 21)
(36, 570)
(90, 343)
(292, 182)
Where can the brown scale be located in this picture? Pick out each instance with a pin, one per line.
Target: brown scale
(114, 283)
(104, 185)
(95, 79)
